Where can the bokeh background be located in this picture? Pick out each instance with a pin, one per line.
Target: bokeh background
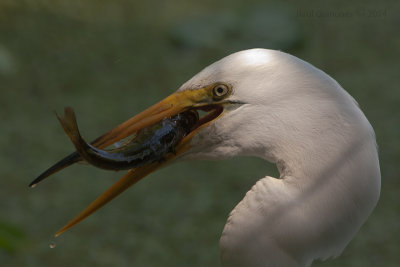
(111, 59)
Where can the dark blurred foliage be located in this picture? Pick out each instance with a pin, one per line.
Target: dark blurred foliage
(110, 60)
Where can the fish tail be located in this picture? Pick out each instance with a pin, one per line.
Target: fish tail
(65, 162)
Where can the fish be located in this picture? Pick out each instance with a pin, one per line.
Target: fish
(149, 145)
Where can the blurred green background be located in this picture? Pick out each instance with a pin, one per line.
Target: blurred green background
(111, 59)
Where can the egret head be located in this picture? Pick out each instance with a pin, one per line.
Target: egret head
(274, 101)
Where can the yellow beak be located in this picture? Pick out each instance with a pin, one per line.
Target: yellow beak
(170, 106)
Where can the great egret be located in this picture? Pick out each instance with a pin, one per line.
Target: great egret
(277, 107)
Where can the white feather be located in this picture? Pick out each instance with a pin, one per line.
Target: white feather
(301, 119)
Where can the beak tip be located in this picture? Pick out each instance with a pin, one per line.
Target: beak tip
(59, 232)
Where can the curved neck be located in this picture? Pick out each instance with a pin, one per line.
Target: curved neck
(329, 184)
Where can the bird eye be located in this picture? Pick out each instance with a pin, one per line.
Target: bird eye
(220, 90)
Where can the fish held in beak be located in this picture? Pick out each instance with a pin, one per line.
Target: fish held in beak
(207, 99)
(149, 145)
(153, 138)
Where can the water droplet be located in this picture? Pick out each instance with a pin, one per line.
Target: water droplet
(52, 244)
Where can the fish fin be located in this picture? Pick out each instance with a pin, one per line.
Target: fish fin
(70, 126)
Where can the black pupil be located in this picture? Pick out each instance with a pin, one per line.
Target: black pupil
(220, 90)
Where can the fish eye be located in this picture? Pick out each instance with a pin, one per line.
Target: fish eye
(220, 90)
